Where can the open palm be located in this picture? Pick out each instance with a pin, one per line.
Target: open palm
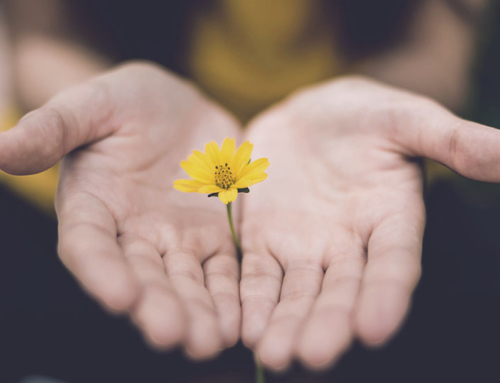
(131, 240)
(332, 241)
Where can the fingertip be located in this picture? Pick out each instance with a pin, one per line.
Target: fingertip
(164, 335)
(230, 340)
(248, 341)
(248, 338)
(162, 338)
(230, 329)
(119, 302)
(319, 350)
(272, 359)
(229, 323)
(160, 319)
(379, 315)
(204, 340)
(315, 360)
(203, 350)
(9, 153)
(251, 332)
(33, 145)
(120, 298)
(113, 285)
(312, 357)
(275, 350)
(228, 309)
(371, 331)
(372, 336)
(255, 318)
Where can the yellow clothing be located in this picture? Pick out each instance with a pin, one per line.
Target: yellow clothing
(249, 54)
(39, 188)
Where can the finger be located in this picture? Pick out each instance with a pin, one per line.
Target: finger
(261, 278)
(328, 331)
(469, 148)
(203, 338)
(158, 312)
(222, 281)
(89, 249)
(301, 286)
(75, 117)
(391, 274)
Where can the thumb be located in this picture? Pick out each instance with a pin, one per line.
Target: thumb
(75, 117)
(471, 149)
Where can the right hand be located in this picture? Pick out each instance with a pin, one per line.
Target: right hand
(332, 240)
(132, 241)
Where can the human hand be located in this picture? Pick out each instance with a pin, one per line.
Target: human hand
(332, 240)
(130, 239)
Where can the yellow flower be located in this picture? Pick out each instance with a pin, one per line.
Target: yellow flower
(222, 171)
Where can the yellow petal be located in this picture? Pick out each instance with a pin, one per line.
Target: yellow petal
(200, 159)
(250, 180)
(257, 166)
(209, 189)
(229, 195)
(241, 157)
(187, 186)
(199, 173)
(213, 152)
(228, 148)
(205, 158)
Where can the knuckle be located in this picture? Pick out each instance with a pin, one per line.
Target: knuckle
(227, 296)
(453, 146)
(226, 273)
(51, 125)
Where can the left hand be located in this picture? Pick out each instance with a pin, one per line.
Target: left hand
(133, 242)
(332, 240)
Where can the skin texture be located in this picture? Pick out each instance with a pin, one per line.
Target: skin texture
(332, 240)
(134, 243)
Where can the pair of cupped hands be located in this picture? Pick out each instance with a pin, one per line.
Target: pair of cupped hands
(331, 240)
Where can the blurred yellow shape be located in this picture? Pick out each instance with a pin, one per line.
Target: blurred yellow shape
(39, 188)
(250, 54)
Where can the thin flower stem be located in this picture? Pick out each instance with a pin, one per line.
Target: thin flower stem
(259, 371)
(233, 232)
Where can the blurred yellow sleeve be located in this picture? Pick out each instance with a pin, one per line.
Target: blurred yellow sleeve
(248, 55)
(40, 188)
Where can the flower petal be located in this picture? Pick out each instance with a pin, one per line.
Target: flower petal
(199, 173)
(200, 159)
(228, 148)
(213, 152)
(250, 180)
(209, 189)
(257, 166)
(187, 186)
(229, 195)
(241, 157)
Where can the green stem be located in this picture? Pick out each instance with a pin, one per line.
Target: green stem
(259, 371)
(233, 232)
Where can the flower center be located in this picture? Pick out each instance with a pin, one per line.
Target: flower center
(223, 176)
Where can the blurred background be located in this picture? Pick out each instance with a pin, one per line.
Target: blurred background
(248, 55)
